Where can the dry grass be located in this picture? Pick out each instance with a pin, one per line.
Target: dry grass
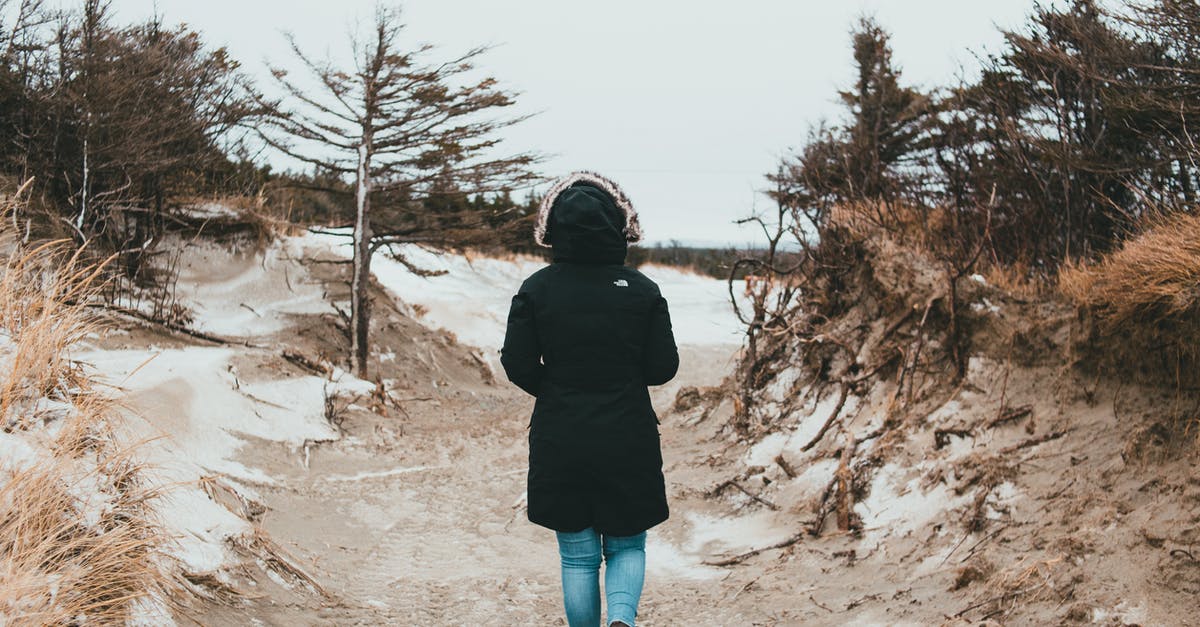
(1026, 581)
(1153, 278)
(40, 326)
(1145, 302)
(914, 226)
(252, 217)
(57, 565)
(78, 541)
(1016, 280)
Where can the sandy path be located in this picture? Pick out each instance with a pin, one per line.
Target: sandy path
(410, 514)
(424, 527)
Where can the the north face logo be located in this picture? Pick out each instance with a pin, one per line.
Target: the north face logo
(621, 283)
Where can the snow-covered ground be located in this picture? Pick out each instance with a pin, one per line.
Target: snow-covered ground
(247, 293)
(192, 412)
(472, 298)
(190, 408)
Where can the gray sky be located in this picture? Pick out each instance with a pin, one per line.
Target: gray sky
(687, 104)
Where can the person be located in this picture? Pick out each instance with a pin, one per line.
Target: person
(586, 335)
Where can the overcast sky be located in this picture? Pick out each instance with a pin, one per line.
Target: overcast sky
(686, 104)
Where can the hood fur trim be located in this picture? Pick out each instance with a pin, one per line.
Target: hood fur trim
(633, 229)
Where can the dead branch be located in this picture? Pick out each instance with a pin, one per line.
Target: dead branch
(1010, 414)
(941, 437)
(785, 466)
(170, 326)
(307, 363)
(837, 411)
(732, 483)
(845, 484)
(737, 559)
(814, 529)
(910, 362)
(876, 368)
(1041, 439)
(276, 558)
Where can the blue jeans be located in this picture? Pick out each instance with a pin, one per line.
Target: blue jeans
(624, 573)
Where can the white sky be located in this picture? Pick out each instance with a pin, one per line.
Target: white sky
(687, 104)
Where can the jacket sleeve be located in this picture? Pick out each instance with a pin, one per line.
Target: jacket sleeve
(661, 357)
(521, 356)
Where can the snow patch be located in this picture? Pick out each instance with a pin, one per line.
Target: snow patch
(247, 293)
(665, 560)
(816, 476)
(379, 474)
(764, 452)
(700, 311)
(713, 535)
(1124, 612)
(793, 439)
(897, 507)
(192, 409)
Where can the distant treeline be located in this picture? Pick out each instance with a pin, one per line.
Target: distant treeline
(714, 262)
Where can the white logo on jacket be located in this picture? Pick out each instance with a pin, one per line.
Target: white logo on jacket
(621, 283)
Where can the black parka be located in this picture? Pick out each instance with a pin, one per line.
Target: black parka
(586, 336)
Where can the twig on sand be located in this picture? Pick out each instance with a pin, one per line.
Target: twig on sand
(744, 588)
(281, 561)
(261, 401)
(1031, 442)
(307, 363)
(971, 551)
(170, 326)
(956, 545)
(997, 599)
(820, 605)
(737, 559)
(1010, 414)
(733, 483)
(1182, 553)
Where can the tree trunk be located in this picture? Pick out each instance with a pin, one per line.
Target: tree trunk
(83, 194)
(360, 302)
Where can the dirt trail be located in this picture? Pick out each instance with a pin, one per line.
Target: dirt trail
(418, 520)
(407, 509)
(414, 513)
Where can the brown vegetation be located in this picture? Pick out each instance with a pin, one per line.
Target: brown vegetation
(1152, 278)
(64, 557)
(1144, 302)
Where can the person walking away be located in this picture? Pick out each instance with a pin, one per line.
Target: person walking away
(586, 336)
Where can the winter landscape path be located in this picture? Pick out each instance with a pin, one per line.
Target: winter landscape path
(300, 495)
(405, 508)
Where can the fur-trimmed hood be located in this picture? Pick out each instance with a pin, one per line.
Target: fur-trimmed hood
(541, 230)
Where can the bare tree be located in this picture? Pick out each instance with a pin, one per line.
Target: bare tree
(402, 128)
